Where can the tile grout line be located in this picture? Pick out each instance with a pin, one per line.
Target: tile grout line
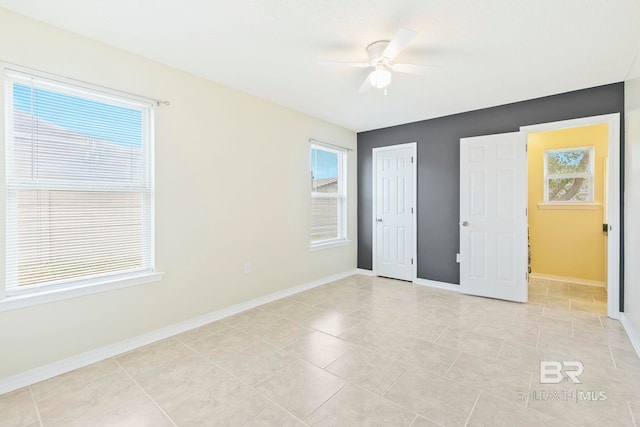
(553, 417)
(613, 359)
(441, 334)
(452, 363)
(530, 385)
(328, 399)
(399, 405)
(257, 415)
(405, 364)
(473, 408)
(538, 412)
(35, 404)
(408, 409)
(633, 418)
(393, 383)
(261, 381)
(601, 322)
(144, 391)
(325, 368)
(504, 341)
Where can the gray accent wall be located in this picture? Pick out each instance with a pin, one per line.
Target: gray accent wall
(438, 165)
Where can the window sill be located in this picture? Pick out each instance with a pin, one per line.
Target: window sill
(44, 296)
(329, 244)
(568, 206)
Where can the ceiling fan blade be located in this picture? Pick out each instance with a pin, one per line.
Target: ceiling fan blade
(399, 42)
(345, 64)
(366, 85)
(411, 69)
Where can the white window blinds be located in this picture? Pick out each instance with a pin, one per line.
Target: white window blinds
(328, 194)
(568, 175)
(79, 184)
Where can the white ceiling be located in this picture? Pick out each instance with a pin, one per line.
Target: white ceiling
(484, 52)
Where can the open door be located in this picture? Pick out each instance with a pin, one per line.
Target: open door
(493, 216)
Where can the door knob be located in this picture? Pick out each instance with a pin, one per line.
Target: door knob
(464, 223)
(378, 219)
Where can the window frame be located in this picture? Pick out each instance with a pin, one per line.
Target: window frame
(340, 196)
(589, 176)
(13, 295)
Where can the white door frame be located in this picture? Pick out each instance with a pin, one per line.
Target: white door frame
(414, 199)
(613, 190)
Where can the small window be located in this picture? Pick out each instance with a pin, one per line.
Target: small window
(328, 195)
(568, 175)
(79, 185)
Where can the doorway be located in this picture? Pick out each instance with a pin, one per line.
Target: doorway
(394, 211)
(485, 251)
(567, 213)
(609, 202)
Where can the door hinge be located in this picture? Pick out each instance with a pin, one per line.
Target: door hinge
(526, 148)
(411, 261)
(411, 159)
(526, 211)
(411, 210)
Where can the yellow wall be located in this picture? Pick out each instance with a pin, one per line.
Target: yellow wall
(567, 242)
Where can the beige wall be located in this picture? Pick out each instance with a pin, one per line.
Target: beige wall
(232, 186)
(632, 198)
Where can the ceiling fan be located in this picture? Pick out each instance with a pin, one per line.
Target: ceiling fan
(381, 55)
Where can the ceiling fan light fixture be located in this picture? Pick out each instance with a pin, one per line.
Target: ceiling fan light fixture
(382, 55)
(380, 78)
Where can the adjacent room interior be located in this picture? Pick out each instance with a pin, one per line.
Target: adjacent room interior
(568, 240)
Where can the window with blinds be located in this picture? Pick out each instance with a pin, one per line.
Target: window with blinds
(328, 195)
(568, 175)
(79, 184)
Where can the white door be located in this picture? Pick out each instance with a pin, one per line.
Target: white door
(394, 175)
(493, 217)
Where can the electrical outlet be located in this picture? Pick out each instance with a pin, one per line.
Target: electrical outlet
(458, 258)
(247, 267)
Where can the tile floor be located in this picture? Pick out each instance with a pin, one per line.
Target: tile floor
(360, 351)
(568, 296)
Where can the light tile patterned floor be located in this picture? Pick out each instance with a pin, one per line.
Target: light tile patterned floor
(569, 296)
(361, 351)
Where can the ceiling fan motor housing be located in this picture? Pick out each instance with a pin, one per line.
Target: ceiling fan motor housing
(375, 51)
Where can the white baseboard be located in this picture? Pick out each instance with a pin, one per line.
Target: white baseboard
(417, 281)
(575, 280)
(69, 364)
(436, 284)
(634, 335)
